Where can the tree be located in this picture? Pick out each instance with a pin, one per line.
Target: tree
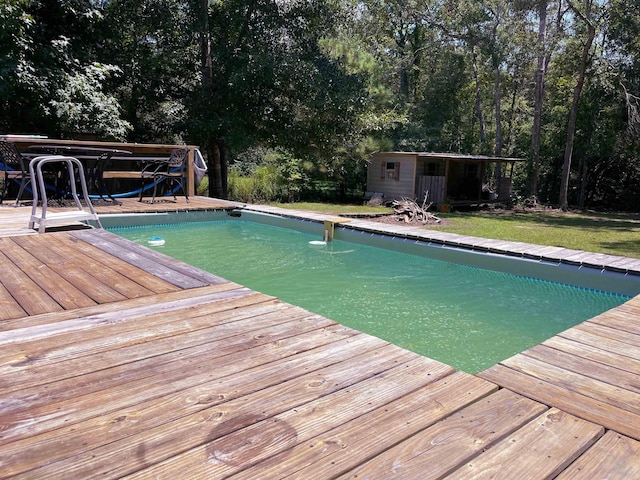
(587, 18)
(47, 52)
(152, 45)
(273, 84)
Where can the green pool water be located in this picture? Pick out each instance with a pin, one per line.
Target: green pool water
(468, 317)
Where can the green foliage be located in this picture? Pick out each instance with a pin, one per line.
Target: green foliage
(45, 64)
(302, 92)
(266, 176)
(83, 107)
(151, 43)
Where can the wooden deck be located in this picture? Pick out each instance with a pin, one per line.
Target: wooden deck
(117, 361)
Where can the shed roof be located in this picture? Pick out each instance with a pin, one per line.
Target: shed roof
(455, 156)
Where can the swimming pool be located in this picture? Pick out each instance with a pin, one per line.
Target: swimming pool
(428, 301)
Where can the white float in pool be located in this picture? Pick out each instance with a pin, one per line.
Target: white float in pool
(321, 242)
(156, 241)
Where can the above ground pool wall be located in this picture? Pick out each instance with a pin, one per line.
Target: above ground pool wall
(580, 276)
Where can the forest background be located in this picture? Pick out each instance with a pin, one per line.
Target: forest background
(288, 98)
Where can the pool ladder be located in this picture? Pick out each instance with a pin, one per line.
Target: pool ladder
(44, 218)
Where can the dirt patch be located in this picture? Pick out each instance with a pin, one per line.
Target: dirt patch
(399, 221)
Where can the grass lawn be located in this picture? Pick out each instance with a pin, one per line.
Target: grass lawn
(615, 234)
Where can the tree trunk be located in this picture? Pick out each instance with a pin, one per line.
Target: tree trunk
(573, 114)
(483, 133)
(497, 98)
(538, 97)
(216, 188)
(584, 177)
(214, 150)
(205, 46)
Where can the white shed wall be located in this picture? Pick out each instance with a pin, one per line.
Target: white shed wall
(392, 189)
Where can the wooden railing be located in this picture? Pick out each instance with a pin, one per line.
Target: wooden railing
(24, 143)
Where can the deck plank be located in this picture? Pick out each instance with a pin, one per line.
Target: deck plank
(131, 271)
(619, 319)
(103, 271)
(154, 315)
(308, 415)
(56, 286)
(591, 409)
(608, 374)
(375, 433)
(591, 338)
(133, 378)
(611, 359)
(214, 410)
(442, 447)
(614, 457)
(104, 308)
(9, 307)
(609, 333)
(604, 391)
(155, 255)
(541, 450)
(141, 261)
(168, 384)
(72, 266)
(26, 292)
(153, 262)
(228, 352)
(49, 350)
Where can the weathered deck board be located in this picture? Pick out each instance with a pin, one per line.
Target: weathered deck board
(72, 266)
(204, 412)
(442, 447)
(610, 375)
(104, 273)
(604, 343)
(595, 354)
(9, 306)
(193, 295)
(344, 446)
(300, 416)
(564, 377)
(41, 354)
(592, 409)
(65, 386)
(614, 456)
(545, 446)
(126, 269)
(27, 343)
(155, 388)
(57, 287)
(156, 263)
(134, 254)
(26, 292)
(608, 333)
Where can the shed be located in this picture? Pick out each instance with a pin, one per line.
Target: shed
(456, 178)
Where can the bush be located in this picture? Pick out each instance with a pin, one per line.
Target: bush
(280, 178)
